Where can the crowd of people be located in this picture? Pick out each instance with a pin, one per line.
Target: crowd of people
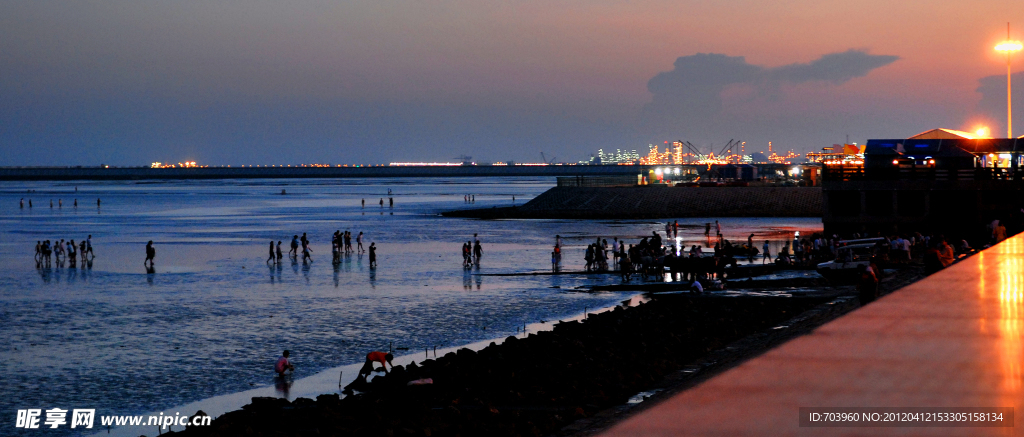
(472, 251)
(60, 203)
(62, 251)
(341, 245)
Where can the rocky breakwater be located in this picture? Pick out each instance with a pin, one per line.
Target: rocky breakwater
(649, 202)
(529, 386)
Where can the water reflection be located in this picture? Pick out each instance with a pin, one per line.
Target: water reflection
(283, 385)
(1011, 301)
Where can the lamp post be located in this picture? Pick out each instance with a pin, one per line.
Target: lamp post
(1008, 47)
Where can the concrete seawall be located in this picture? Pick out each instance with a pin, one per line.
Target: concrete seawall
(662, 202)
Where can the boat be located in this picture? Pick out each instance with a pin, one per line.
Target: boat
(850, 255)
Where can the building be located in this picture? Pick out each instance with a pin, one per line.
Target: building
(941, 181)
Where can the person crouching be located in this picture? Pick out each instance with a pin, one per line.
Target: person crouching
(383, 358)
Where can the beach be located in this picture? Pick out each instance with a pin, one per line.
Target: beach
(213, 316)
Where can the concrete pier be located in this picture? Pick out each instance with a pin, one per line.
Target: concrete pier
(953, 339)
(642, 202)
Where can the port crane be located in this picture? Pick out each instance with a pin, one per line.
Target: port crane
(545, 159)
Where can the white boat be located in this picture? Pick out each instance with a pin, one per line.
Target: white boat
(850, 255)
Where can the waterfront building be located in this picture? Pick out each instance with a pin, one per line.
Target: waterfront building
(942, 181)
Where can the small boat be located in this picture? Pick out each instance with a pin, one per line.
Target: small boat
(851, 254)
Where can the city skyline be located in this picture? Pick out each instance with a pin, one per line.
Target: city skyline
(125, 83)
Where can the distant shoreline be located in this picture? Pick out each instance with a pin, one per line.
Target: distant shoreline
(296, 172)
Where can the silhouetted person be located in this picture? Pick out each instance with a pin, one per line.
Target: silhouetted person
(271, 257)
(373, 255)
(381, 357)
(21, 203)
(283, 364)
(306, 250)
(150, 253)
(381, 202)
(391, 202)
(279, 254)
(295, 246)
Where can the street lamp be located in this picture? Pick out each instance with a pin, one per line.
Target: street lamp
(1008, 47)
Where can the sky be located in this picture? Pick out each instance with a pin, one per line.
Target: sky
(128, 82)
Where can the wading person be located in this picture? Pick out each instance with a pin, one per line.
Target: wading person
(306, 250)
(295, 246)
(150, 253)
(373, 255)
(279, 254)
(477, 252)
(271, 257)
(283, 364)
(767, 252)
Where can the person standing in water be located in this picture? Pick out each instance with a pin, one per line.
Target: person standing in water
(306, 250)
(271, 257)
(295, 246)
(364, 203)
(279, 254)
(381, 202)
(359, 242)
(283, 364)
(373, 255)
(88, 246)
(150, 253)
(477, 252)
(767, 252)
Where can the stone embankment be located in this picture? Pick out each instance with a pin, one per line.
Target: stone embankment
(528, 387)
(651, 202)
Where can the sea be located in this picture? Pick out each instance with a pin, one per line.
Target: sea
(203, 327)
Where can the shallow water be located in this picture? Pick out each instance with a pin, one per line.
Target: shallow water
(213, 316)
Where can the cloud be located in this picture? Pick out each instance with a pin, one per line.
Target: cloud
(711, 96)
(834, 67)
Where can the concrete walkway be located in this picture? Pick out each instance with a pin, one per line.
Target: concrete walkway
(953, 339)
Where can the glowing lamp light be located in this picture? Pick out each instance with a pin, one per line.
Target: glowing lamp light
(982, 132)
(1009, 46)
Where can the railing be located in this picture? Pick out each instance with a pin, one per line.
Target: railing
(597, 181)
(859, 173)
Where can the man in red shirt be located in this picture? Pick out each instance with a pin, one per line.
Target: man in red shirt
(383, 358)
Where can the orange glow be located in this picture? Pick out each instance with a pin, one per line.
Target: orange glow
(1011, 305)
(982, 132)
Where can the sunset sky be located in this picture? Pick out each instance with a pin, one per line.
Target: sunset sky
(261, 82)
